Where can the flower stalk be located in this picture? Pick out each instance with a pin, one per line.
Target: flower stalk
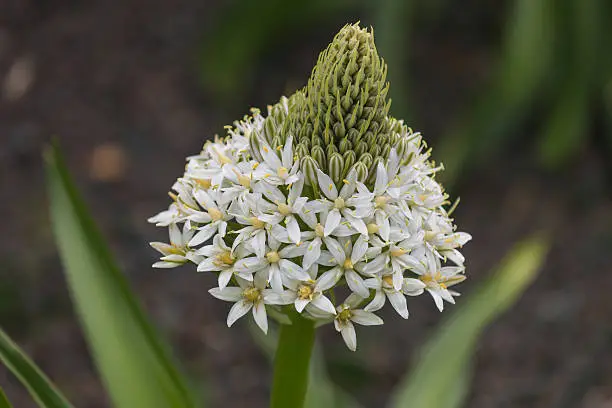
(292, 362)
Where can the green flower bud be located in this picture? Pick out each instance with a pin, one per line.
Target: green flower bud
(349, 160)
(318, 155)
(335, 168)
(344, 146)
(375, 150)
(309, 167)
(361, 148)
(270, 129)
(276, 142)
(385, 151)
(366, 159)
(254, 147)
(301, 150)
(362, 171)
(331, 149)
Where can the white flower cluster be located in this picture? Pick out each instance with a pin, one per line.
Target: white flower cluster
(277, 243)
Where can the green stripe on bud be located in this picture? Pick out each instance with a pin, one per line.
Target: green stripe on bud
(362, 171)
(336, 167)
(372, 170)
(318, 155)
(366, 159)
(254, 147)
(349, 160)
(309, 167)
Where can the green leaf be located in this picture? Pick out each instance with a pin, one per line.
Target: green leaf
(132, 361)
(4, 402)
(440, 377)
(40, 387)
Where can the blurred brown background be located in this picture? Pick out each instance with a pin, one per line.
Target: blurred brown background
(514, 96)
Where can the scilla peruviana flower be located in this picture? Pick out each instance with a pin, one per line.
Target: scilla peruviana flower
(322, 194)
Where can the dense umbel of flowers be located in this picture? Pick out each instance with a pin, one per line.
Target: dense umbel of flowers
(324, 197)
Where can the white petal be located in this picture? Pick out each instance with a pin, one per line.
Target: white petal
(326, 259)
(328, 279)
(175, 235)
(300, 304)
(293, 229)
(377, 303)
(398, 301)
(203, 235)
(288, 153)
(276, 282)
(349, 336)
(292, 270)
(238, 310)
(324, 304)
(359, 249)
(313, 252)
(356, 284)
(259, 243)
(333, 220)
(231, 294)
(250, 264)
(224, 278)
(412, 287)
(381, 179)
(260, 316)
(365, 318)
(293, 251)
(437, 299)
(295, 191)
(335, 249)
(327, 186)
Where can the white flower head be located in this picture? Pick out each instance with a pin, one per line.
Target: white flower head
(312, 197)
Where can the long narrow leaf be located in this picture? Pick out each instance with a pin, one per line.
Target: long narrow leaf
(4, 402)
(40, 387)
(439, 378)
(134, 365)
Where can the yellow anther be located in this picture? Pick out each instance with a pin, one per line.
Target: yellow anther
(252, 295)
(305, 292)
(273, 257)
(345, 181)
(388, 279)
(345, 315)
(279, 147)
(265, 149)
(255, 165)
(224, 258)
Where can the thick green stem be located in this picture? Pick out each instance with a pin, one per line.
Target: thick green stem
(291, 363)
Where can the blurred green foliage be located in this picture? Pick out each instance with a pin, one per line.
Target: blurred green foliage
(39, 386)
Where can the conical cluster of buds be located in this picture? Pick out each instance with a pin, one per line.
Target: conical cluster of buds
(325, 194)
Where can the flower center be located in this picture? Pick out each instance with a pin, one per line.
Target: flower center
(176, 250)
(388, 279)
(257, 223)
(284, 209)
(372, 228)
(224, 258)
(305, 292)
(273, 257)
(252, 294)
(204, 183)
(223, 159)
(381, 201)
(282, 172)
(397, 251)
(319, 230)
(345, 315)
(339, 203)
(348, 264)
(215, 214)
